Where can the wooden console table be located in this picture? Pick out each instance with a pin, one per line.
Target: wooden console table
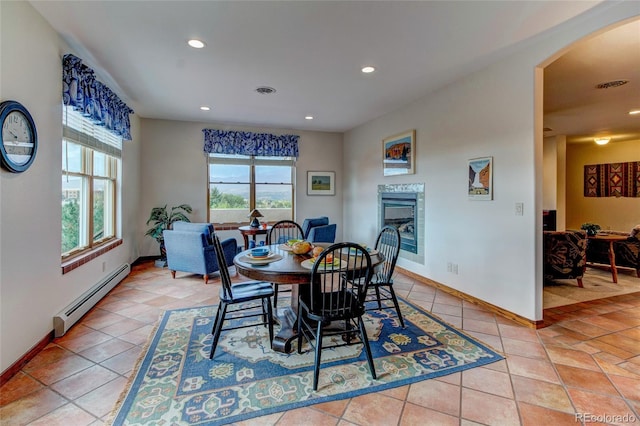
(610, 238)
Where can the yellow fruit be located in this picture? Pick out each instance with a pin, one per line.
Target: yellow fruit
(301, 247)
(317, 251)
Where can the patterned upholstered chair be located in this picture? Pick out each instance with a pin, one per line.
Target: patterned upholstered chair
(627, 252)
(565, 254)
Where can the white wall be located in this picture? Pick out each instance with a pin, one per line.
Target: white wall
(32, 287)
(490, 113)
(174, 171)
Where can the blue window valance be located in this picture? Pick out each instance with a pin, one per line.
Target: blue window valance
(249, 143)
(94, 100)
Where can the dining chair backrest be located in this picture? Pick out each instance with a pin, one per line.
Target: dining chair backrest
(388, 245)
(283, 231)
(224, 271)
(340, 286)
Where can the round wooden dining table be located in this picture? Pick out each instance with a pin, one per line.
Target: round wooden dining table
(287, 269)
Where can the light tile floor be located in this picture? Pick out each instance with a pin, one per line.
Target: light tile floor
(587, 361)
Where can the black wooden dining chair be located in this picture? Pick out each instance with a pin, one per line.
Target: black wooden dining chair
(280, 233)
(334, 304)
(381, 287)
(240, 295)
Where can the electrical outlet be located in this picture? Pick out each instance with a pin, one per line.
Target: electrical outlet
(455, 268)
(449, 267)
(519, 209)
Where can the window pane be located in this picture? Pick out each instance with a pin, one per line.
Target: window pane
(99, 187)
(100, 165)
(274, 202)
(228, 202)
(229, 173)
(71, 157)
(73, 205)
(273, 174)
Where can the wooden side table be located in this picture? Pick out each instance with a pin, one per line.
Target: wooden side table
(248, 230)
(610, 238)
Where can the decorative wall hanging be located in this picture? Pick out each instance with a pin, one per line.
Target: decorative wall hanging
(481, 178)
(399, 154)
(321, 183)
(612, 180)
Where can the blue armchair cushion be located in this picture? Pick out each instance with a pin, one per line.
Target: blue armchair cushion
(322, 234)
(313, 222)
(205, 228)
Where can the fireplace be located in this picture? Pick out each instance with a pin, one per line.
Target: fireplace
(399, 209)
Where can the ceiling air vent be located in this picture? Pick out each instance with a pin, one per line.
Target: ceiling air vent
(610, 84)
(265, 90)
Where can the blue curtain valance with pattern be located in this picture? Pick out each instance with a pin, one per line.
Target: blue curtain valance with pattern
(249, 143)
(94, 100)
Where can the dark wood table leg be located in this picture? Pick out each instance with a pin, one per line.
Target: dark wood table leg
(612, 262)
(288, 318)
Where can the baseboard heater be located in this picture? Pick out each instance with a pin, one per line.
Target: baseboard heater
(72, 313)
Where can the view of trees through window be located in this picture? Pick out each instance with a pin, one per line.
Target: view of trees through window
(239, 184)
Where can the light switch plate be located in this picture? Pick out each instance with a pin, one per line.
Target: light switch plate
(519, 209)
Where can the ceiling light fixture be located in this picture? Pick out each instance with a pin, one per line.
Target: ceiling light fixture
(610, 84)
(196, 44)
(368, 70)
(309, 117)
(602, 141)
(634, 112)
(265, 90)
(205, 108)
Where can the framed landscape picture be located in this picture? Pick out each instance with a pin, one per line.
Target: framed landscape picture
(481, 178)
(399, 154)
(321, 183)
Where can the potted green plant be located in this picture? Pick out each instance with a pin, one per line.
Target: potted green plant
(591, 228)
(163, 219)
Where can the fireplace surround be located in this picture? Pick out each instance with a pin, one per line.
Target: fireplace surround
(402, 206)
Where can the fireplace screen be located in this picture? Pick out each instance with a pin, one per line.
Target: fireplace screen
(399, 210)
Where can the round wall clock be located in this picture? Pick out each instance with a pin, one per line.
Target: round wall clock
(19, 137)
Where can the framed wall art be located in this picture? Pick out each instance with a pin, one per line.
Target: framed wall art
(481, 178)
(321, 183)
(399, 154)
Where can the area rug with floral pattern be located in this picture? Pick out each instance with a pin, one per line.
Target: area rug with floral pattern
(175, 382)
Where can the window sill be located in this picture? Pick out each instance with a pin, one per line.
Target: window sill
(76, 262)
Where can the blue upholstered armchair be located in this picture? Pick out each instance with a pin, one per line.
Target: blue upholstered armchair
(190, 249)
(318, 230)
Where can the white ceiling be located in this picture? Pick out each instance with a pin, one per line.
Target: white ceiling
(311, 52)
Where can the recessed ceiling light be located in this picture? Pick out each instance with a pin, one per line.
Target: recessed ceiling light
(368, 70)
(634, 112)
(205, 108)
(602, 141)
(308, 117)
(196, 44)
